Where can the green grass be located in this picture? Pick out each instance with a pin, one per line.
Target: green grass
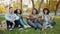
(55, 30)
(1, 18)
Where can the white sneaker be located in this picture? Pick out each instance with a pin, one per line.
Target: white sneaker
(50, 26)
(20, 29)
(9, 26)
(28, 26)
(10, 29)
(19, 26)
(12, 26)
(25, 26)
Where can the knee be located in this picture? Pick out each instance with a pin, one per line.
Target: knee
(53, 23)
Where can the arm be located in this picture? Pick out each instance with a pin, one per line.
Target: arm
(7, 17)
(17, 17)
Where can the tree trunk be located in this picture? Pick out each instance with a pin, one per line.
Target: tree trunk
(57, 7)
(40, 5)
(21, 4)
(33, 4)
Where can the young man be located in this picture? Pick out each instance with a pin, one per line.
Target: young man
(12, 19)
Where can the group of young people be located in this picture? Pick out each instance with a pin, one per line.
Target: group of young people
(15, 18)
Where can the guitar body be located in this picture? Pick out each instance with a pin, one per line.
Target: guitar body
(30, 17)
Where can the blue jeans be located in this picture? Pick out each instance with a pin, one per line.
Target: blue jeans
(53, 23)
(35, 24)
(31, 23)
(23, 21)
(39, 25)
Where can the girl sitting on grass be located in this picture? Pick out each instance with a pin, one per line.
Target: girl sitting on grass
(32, 20)
(23, 22)
(48, 22)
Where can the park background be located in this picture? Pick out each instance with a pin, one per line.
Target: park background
(26, 6)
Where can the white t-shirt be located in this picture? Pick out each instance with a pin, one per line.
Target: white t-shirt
(46, 18)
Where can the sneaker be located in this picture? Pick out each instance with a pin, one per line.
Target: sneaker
(25, 26)
(50, 26)
(28, 26)
(20, 29)
(12, 26)
(9, 26)
(10, 29)
(19, 26)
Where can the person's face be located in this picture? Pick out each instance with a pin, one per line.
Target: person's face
(34, 11)
(18, 11)
(11, 10)
(46, 11)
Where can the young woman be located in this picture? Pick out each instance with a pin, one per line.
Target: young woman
(12, 19)
(32, 21)
(47, 19)
(23, 22)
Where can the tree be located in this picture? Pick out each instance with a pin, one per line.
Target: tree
(40, 5)
(33, 4)
(21, 4)
(57, 7)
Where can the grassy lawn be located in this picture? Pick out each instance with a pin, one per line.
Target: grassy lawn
(1, 18)
(55, 30)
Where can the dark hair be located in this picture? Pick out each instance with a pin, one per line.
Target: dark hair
(47, 10)
(10, 7)
(16, 11)
(35, 10)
